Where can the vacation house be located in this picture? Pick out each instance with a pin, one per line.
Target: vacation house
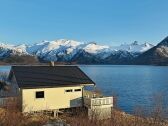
(49, 87)
(52, 88)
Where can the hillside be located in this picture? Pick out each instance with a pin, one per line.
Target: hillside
(158, 55)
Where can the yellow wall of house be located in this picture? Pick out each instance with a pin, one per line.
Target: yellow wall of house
(54, 98)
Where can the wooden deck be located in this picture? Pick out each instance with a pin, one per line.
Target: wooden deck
(93, 102)
(99, 106)
(93, 99)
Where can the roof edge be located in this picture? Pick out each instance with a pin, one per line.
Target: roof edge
(56, 86)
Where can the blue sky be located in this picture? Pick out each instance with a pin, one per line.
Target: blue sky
(109, 22)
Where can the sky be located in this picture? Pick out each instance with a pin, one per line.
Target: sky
(109, 22)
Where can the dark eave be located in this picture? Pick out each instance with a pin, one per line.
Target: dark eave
(49, 76)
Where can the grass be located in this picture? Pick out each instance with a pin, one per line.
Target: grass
(11, 116)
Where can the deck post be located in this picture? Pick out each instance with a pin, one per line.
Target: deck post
(55, 113)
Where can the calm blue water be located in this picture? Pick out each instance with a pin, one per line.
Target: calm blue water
(133, 85)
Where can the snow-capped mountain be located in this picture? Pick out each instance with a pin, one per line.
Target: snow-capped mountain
(158, 55)
(66, 49)
(52, 50)
(8, 50)
(70, 50)
(134, 47)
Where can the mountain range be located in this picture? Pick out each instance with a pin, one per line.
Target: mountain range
(64, 50)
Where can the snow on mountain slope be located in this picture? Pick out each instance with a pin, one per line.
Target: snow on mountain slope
(7, 49)
(21, 48)
(65, 50)
(99, 50)
(94, 48)
(47, 46)
(51, 50)
(134, 47)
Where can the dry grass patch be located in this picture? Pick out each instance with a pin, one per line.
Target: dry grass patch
(16, 118)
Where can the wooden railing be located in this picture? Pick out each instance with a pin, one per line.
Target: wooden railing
(91, 102)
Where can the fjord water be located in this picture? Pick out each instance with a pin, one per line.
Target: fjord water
(133, 85)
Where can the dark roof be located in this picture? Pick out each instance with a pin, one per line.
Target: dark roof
(49, 76)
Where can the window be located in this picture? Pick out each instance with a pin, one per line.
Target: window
(69, 90)
(76, 90)
(40, 94)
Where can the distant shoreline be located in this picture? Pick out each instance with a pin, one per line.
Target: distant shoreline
(46, 64)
